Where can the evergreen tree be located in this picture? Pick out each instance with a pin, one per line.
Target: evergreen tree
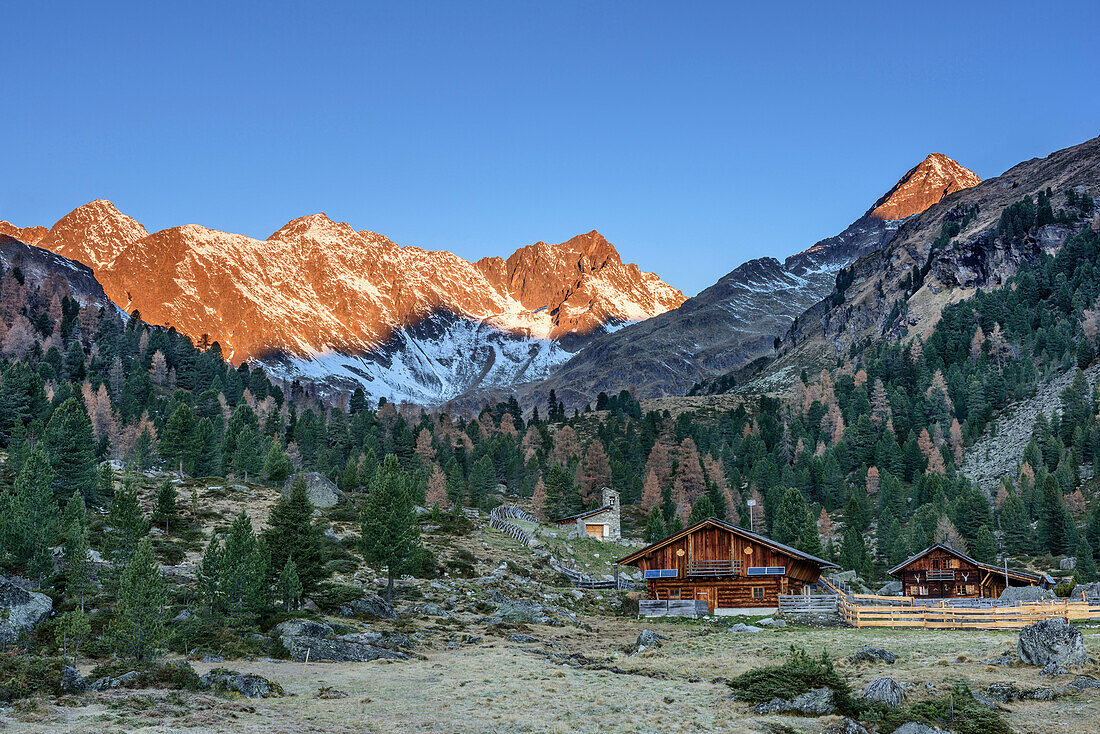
(71, 450)
(790, 518)
(209, 575)
(562, 499)
(72, 628)
(654, 526)
(291, 533)
(983, 547)
(1056, 531)
(78, 575)
(126, 521)
(277, 465)
(390, 533)
(1085, 573)
(853, 552)
(290, 586)
(1018, 535)
(180, 441)
(701, 510)
(29, 517)
(137, 628)
(242, 574)
(166, 509)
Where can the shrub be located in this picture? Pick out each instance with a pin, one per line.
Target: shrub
(1064, 589)
(329, 595)
(797, 675)
(958, 712)
(25, 675)
(174, 675)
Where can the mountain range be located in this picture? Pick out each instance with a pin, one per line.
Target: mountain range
(321, 301)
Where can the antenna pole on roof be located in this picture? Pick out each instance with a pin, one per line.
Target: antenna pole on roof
(1006, 571)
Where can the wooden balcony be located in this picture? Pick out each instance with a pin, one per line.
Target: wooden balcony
(942, 575)
(714, 568)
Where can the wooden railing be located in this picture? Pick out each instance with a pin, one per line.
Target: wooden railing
(808, 603)
(714, 568)
(945, 616)
(942, 575)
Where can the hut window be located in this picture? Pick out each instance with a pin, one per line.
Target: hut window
(673, 593)
(758, 592)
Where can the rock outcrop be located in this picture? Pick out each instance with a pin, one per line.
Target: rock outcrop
(20, 610)
(1052, 641)
(322, 491)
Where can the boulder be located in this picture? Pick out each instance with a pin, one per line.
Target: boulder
(248, 685)
(432, 610)
(302, 628)
(1026, 593)
(1008, 692)
(72, 681)
(321, 649)
(181, 617)
(1051, 641)
(845, 726)
(914, 727)
(322, 492)
(20, 610)
(390, 640)
(371, 605)
(769, 622)
(648, 639)
(886, 691)
(1082, 682)
(524, 639)
(1068, 563)
(890, 588)
(818, 702)
(872, 654)
(742, 627)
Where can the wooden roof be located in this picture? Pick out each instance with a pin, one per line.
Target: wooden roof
(1020, 575)
(746, 534)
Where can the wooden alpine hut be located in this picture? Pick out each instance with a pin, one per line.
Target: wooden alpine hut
(726, 566)
(941, 572)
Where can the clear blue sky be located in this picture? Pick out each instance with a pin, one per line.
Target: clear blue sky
(693, 135)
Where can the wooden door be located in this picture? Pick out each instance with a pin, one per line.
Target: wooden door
(596, 531)
(706, 596)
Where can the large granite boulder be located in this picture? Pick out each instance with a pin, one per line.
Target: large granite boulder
(20, 610)
(371, 605)
(818, 702)
(1051, 641)
(322, 492)
(248, 685)
(869, 654)
(337, 650)
(302, 628)
(890, 588)
(886, 691)
(914, 727)
(1026, 593)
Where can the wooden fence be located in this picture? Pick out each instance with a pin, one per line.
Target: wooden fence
(945, 616)
(808, 604)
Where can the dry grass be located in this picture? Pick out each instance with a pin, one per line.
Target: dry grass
(501, 686)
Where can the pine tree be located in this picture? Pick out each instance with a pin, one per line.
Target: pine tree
(853, 552)
(71, 629)
(179, 441)
(983, 547)
(71, 450)
(1085, 573)
(291, 533)
(654, 527)
(290, 586)
(1056, 529)
(166, 509)
(277, 464)
(790, 518)
(701, 510)
(137, 628)
(209, 575)
(242, 574)
(29, 517)
(126, 521)
(390, 534)
(78, 575)
(1019, 538)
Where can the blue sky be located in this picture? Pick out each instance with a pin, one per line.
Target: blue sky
(693, 135)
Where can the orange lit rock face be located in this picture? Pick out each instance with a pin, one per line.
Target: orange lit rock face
(932, 179)
(26, 235)
(316, 284)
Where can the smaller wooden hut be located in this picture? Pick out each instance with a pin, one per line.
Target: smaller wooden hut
(941, 572)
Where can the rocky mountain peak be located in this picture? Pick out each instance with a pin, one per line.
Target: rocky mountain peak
(924, 185)
(314, 227)
(26, 235)
(93, 234)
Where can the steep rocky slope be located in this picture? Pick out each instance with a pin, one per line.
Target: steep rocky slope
(320, 300)
(880, 299)
(42, 268)
(736, 321)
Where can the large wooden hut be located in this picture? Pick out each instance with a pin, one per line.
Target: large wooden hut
(941, 572)
(726, 566)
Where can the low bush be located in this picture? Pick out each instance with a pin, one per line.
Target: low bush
(176, 675)
(958, 712)
(798, 674)
(330, 595)
(26, 675)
